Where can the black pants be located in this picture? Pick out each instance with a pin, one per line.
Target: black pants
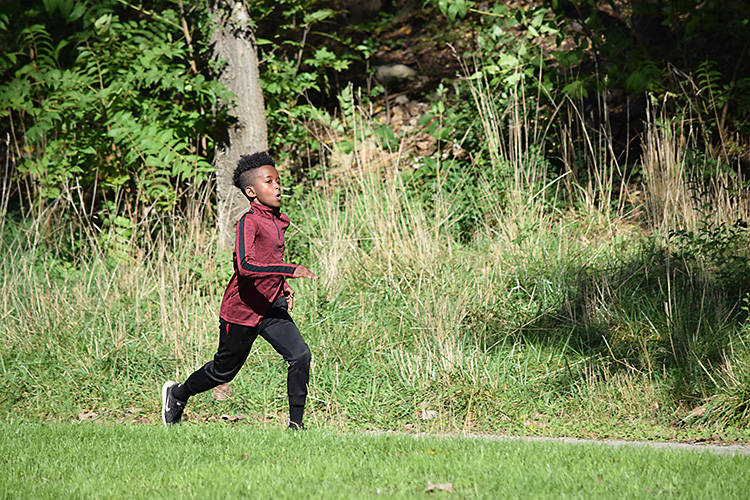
(235, 342)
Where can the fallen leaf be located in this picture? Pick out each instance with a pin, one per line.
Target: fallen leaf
(698, 412)
(232, 418)
(222, 392)
(244, 456)
(433, 487)
(428, 414)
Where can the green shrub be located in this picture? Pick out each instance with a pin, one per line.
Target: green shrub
(107, 105)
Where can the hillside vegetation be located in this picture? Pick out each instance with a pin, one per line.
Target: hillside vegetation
(537, 243)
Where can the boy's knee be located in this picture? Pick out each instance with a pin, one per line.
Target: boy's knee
(303, 357)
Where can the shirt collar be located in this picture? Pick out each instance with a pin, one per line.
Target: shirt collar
(263, 209)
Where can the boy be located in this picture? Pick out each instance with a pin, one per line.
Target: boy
(257, 300)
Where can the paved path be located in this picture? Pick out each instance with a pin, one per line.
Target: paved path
(726, 449)
(730, 449)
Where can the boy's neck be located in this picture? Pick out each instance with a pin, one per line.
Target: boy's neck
(256, 204)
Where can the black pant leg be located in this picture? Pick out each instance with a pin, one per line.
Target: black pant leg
(279, 330)
(235, 342)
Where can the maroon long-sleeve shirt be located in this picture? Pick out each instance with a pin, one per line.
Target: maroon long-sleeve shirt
(259, 270)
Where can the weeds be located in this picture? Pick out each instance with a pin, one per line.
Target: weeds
(544, 316)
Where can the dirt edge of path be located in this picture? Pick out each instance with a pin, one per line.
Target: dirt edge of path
(723, 449)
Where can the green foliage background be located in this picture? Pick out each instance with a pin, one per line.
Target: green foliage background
(109, 110)
(116, 103)
(101, 104)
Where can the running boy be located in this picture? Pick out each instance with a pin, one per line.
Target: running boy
(257, 300)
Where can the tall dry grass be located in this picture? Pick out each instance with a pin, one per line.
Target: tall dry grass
(598, 283)
(93, 317)
(568, 314)
(684, 189)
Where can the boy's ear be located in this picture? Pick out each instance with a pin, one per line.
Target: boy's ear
(250, 191)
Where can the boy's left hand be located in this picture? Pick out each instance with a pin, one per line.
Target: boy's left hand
(289, 294)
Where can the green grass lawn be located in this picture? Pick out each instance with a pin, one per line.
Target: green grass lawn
(220, 460)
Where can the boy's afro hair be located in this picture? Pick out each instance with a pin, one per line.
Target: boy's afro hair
(249, 162)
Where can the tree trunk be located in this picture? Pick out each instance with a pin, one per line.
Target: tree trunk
(234, 45)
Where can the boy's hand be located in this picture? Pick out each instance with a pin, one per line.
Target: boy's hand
(299, 272)
(303, 272)
(289, 294)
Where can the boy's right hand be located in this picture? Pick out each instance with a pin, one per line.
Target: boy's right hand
(303, 272)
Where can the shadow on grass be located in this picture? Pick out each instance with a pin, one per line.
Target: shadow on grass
(671, 314)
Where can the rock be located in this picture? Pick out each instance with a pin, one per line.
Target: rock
(390, 72)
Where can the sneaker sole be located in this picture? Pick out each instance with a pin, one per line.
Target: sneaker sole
(164, 389)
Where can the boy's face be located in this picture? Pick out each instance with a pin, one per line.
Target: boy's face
(266, 189)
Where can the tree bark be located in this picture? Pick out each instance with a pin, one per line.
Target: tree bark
(234, 46)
